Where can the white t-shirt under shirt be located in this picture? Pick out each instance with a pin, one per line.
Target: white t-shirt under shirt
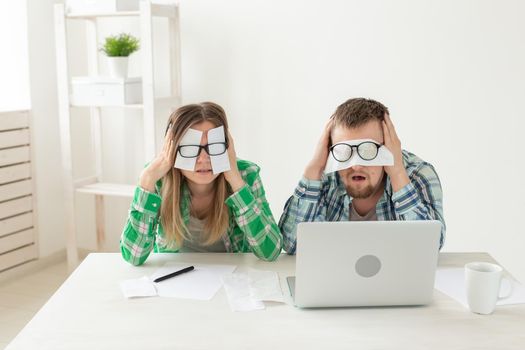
(370, 216)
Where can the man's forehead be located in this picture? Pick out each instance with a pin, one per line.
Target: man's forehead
(370, 130)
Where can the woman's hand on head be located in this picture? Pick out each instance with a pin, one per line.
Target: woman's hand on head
(233, 176)
(160, 166)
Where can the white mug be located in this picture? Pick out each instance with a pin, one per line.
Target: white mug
(483, 282)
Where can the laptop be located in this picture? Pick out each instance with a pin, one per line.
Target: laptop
(370, 263)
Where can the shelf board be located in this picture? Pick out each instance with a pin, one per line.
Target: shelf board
(166, 100)
(108, 189)
(157, 10)
(132, 106)
(102, 14)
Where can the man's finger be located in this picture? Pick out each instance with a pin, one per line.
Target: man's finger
(392, 129)
(328, 125)
(390, 125)
(386, 133)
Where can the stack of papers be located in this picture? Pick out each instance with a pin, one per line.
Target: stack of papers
(248, 291)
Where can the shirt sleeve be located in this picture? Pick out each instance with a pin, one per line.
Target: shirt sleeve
(421, 199)
(138, 237)
(254, 218)
(306, 204)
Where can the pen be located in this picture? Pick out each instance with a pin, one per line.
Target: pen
(173, 274)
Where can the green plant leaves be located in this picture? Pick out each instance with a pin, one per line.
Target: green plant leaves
(121, 45)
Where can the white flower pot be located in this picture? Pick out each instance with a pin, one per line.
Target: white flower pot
(118, 67)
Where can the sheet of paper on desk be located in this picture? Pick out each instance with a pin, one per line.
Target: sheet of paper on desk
(200, 284)
(237, 287)
(265, 286)
(138, 287)
(247, 291)
(451, 281)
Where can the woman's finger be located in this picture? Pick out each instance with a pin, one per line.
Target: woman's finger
(167, 145)
(168, 137)
(231, 144)
(171, 150)
(168, 132)
(164, 147)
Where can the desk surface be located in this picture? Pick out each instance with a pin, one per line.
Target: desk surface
(89, 312)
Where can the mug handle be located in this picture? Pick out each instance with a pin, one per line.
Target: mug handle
(511, 289)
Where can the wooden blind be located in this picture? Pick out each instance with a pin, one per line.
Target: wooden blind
(17, 233)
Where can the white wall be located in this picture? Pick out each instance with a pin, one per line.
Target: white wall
(14, 84)
(46, 141)
(451, 73)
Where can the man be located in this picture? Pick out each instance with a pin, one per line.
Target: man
(407, 190)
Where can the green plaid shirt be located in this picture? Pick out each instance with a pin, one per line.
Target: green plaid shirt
(252, 225)
(327, 200)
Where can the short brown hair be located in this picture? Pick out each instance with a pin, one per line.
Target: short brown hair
(358, 111)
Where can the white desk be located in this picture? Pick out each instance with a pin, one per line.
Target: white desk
(89, 312)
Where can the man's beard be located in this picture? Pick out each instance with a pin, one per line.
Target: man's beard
(361, 193)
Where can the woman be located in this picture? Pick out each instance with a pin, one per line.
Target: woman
(182, 210)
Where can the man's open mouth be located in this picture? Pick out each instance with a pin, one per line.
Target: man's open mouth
(358, 178)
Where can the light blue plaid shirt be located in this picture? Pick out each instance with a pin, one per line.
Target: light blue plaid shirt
(327, 200)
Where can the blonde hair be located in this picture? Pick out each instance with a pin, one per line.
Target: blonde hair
(217, 217)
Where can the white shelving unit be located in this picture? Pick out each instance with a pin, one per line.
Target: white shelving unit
(152, 107)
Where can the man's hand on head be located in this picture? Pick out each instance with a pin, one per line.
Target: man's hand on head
(314, 169)
(397, 173)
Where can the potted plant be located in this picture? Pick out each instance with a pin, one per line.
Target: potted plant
(118, 48)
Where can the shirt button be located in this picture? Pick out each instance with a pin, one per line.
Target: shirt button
(155, 204)
(397, 204)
